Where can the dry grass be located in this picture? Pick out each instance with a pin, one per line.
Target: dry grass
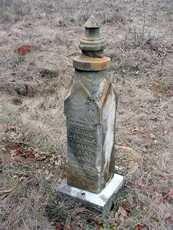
(32, 124)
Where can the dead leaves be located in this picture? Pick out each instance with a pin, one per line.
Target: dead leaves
(160, 87)
(139, 227)
(19, 151)
(23, 50)
(167, 197)
(131, 158)
(168, 219)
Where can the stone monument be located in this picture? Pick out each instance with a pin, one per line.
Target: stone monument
(90, 110)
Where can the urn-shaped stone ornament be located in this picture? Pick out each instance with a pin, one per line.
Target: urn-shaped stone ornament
(90, 110)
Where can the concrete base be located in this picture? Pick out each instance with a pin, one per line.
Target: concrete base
(100, 201)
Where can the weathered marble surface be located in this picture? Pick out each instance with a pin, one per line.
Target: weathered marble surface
(90, 113)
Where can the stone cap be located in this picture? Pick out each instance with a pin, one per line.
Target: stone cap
(92, 41)
(91, 23)
(88, 64)
(92, 45)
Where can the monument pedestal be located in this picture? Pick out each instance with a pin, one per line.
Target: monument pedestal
(101, 201)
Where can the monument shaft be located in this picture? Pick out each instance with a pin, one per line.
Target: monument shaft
(90, 110)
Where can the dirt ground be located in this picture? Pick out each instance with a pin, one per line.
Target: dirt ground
(37, 42)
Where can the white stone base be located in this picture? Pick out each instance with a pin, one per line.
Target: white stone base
(100, 201)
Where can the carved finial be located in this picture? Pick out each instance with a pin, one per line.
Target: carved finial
(92, 45)
(91, 23)
(92, 41)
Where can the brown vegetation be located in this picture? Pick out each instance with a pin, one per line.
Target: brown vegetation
(37, 40)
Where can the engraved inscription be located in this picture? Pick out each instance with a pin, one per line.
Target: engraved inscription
(83, 144)
(88, 171)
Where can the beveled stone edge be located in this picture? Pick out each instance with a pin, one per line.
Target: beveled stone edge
(99, 201)
(90, 64)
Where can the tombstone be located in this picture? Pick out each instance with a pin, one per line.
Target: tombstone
(90, 110)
